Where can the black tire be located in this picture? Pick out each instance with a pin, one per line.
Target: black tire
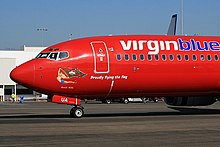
(155, 100)
(126, 101)
(108, 101)
(76, 112)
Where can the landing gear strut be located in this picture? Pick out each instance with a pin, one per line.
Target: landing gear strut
(77, 112)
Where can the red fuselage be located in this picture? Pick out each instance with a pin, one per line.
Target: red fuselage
(125, 66)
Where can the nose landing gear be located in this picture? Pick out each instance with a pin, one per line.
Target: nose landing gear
(76, 111)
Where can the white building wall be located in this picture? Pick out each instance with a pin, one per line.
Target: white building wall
(33, 48)
(6, 65)
(11, 59)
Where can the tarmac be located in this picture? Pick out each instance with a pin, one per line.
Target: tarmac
(133, 124)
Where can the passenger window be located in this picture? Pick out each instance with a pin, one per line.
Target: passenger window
(141, 57)
(202, 57)
(126, 57)
(156, 57)
(216, 57)
(53, 56)
(118, 57)
(186, 57)
(134, 57)
(63, 55)
(149, 57)
(209, 57)
(164, 57)
(179, 58)
(171, 57)
(194, 57)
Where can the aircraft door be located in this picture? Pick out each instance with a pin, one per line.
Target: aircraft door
(101, 57)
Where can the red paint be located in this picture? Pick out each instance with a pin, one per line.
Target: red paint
(95, 73)
(65, 100)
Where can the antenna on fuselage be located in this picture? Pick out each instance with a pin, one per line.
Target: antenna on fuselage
(172, 26)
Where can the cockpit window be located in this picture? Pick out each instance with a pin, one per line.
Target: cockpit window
(53, 56)
(63, 55)
(42, 55)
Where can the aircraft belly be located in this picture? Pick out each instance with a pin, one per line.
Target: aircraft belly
(166, 84)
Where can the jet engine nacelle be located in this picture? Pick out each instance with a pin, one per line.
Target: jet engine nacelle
(190, 101)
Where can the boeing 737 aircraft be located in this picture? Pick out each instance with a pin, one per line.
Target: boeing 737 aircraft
(183, 69)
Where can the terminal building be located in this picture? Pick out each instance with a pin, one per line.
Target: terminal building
(9, 59)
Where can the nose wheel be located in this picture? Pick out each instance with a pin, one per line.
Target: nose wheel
(77, 112)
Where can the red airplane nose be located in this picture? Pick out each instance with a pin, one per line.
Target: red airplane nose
(24, 74)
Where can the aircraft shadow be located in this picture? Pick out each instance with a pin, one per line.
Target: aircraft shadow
(178, 111)
(190, 110)
(37, 116)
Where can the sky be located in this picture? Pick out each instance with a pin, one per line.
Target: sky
(21, 19)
